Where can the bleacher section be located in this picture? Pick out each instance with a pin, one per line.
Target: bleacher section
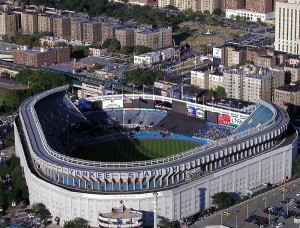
(180, 124)
(213, 131)
(257, 118)
(55, 116)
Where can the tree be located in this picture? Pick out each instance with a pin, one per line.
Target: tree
(223, 199)
(76, 223)
(166, 223)
(220, 91)
(79, 52)
(217, 11)
(114, 46)
(139, 49)
(140, 77)
(39, 210)
(125, 50)
(9, 139)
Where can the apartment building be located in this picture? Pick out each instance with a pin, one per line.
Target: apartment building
(261, 6)
(125, 36)
(195, 5)
(42, 57)
(9, 23)
(155, 39)
(250, 83)
(62, 27)
(234, 4)
(29, 22)
(92, 32)
(45, 23)
(164, 3)
(288, 97)
(266, 61)
(287, 26)
(294, 71)
(207, 80)
(77, 28)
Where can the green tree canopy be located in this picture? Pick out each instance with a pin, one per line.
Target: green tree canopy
(217, 11)
(139, 49)
(220, 91)
(140, 77)
(9, 139)
(166, 223)
(40, 211)
(223, 199)
(76, 223)
(125, 50)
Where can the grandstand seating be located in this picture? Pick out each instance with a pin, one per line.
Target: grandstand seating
(180, 124)
(257, 118)
(55, 116)
(149, 117)
(213, 131)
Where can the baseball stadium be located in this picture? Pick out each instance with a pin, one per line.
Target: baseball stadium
(153, 154)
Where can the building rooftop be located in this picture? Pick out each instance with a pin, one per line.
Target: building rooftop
(290, 88)
(256, 73)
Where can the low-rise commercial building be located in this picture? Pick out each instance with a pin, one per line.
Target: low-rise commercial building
(155, 57)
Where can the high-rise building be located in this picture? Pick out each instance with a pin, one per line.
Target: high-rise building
(234, 4)
(155, 39)
(287, 26)
(125, 36)
(195, 5)
(77, 28)
(92, 32)
(29, 22)
(45, 23)
(261, 6)
(250, 84)
(8, 23)
(62, 27)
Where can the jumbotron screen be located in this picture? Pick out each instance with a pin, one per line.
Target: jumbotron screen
(211, 117)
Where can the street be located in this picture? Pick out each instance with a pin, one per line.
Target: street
(237, 214)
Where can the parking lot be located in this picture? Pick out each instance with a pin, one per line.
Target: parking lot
(280, 205)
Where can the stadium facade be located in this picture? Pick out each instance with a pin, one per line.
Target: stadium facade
(261, 150)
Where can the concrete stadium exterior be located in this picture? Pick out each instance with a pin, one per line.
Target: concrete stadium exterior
(183, 183)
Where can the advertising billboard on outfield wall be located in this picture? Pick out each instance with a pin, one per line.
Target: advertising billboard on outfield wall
(200, 113)
(191, 111)
(224, 119)
(163, 105)
(107, 104)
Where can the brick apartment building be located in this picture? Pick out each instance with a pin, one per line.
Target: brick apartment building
(288, 97)
(42, 57)
(62, 27)
(29, 22)
(155, 38)
(9, 23)
(234, 4)
(45, 23)
(261, 6)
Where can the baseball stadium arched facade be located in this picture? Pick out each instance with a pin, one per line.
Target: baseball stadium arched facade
(260, 150)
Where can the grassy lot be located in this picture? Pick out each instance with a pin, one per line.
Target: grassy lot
(133, 150)
(196, 37)
(2, 91)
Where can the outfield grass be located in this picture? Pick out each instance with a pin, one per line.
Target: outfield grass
(133, 150)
